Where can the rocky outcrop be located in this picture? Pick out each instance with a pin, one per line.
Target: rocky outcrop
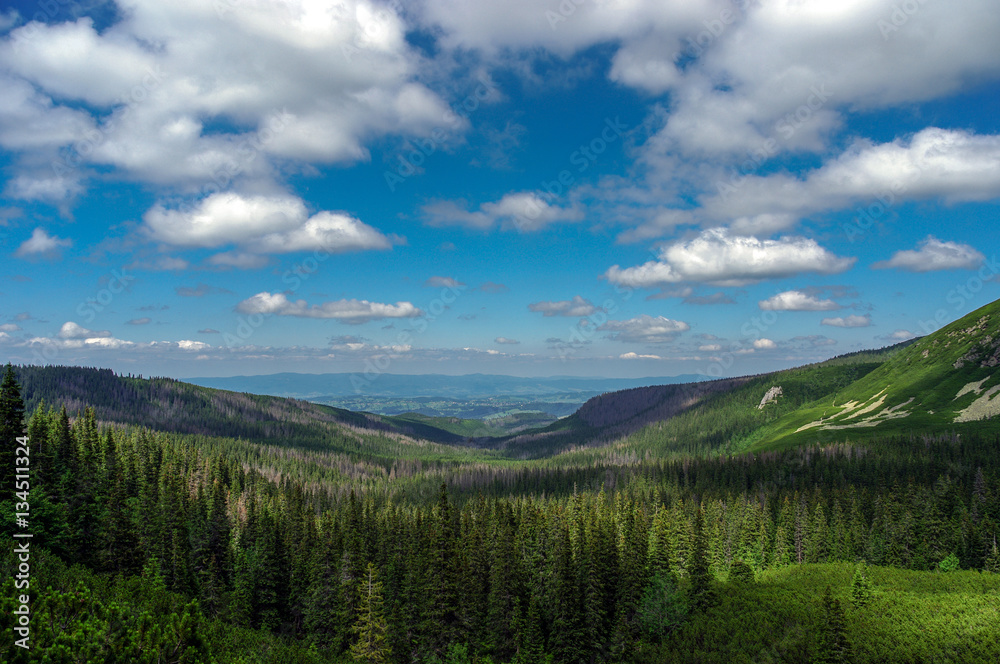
(771, 396)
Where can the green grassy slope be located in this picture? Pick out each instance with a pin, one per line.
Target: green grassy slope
(945, 381)
(912, 617)
(491, 427)
(726, 421)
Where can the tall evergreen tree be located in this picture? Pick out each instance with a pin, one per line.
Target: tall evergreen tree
(861, 586)
(372, 645)
(443, 619)
(833, 646)
(11, 427)
(701, 595)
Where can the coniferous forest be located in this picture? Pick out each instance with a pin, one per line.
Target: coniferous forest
(165, 547)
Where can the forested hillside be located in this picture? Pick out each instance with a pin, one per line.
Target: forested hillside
(499, 570)
(166, 404)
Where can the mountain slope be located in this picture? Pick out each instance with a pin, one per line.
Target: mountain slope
(165, 404)
(723, 420)
(941, 382)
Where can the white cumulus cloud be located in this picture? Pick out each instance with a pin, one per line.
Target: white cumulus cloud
(645, 328)
(637, 356)
(848, 321)
(576, 307)
(523, 211)
(348, 311)
(716, 257)
(933, 254)
(259, 224)
(71, 330)
(795, 300)
(41, 243)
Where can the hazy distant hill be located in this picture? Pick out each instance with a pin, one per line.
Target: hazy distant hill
(942, 383)
(165, 404)
(311, 386)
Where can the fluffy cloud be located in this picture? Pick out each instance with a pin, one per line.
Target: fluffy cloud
(773, 58)
(764, 344)
(104, 341)
(41, 244)
(795, 300)
(952, 165)
(645, 328)
(71, 330)
(897, 336)
(636, 356)
(524, 211)
(259, 225)
(354, 312)
(716, 257)
(848, 321)
(578, 306)
(933, 254)
(182, 92)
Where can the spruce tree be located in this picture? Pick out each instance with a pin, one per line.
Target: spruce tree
(833, 646)
(861, 586)
(11, 427)
(701, 596)
(992, 564)
(372, 646)
(443, 621)
(741, 572)
(662, 608)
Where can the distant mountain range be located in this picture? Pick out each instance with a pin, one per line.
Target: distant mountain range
(944, 383)
(313, 386)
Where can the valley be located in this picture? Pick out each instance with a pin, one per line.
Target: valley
(627, 530)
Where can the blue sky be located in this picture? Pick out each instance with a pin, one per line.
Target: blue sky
(588, 187)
